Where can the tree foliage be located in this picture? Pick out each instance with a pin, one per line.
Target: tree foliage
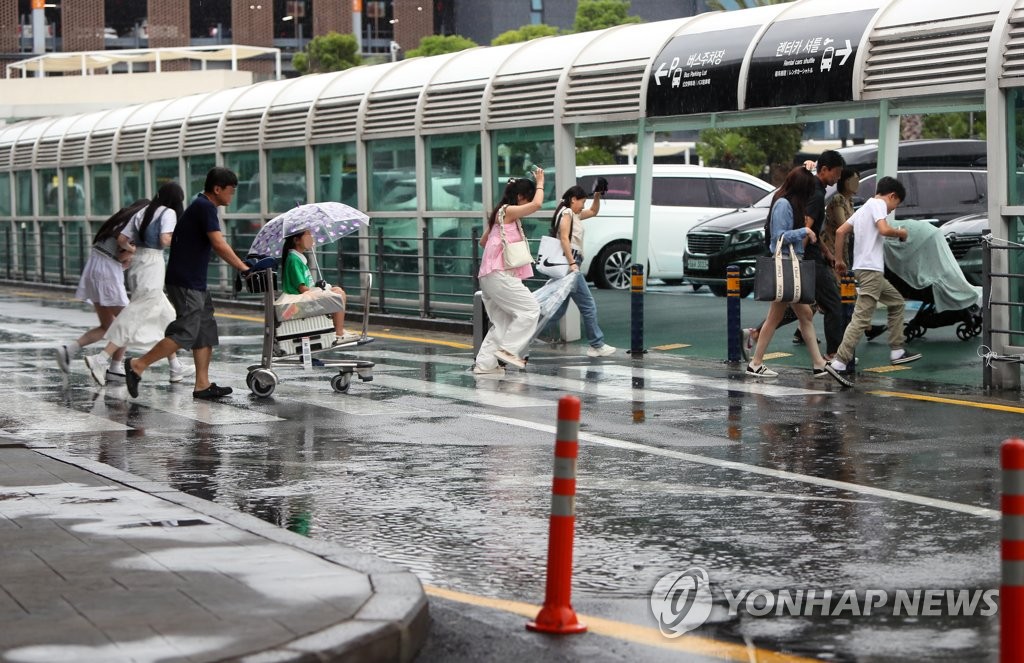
(601, 14)
(525, 33)
(329, 52)
(754, 150)
(438, 44)
(954, 125)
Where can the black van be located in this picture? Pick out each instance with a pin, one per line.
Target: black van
(945, 179)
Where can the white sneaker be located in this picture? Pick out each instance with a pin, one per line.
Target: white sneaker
(601, 351)
(64, 358)
(187, 371)
(479, 370)
(112, 376)
(509, 358)
(98, 365)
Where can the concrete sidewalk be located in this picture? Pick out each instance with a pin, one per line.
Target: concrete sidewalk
(100, 565)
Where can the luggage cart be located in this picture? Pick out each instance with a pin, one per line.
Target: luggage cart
(283, 341)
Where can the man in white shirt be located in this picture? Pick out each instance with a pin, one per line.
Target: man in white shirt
(870, 227)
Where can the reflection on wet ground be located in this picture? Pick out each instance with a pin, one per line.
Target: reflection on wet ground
(785, 486)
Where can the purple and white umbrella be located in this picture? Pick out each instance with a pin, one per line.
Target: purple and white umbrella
(327, 221)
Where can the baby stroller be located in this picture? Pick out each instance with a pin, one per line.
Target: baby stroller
(924, 269)
(291, 328)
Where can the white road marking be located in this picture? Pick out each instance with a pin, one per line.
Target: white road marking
(179, 402)
(31, 414)
(672, 378)
(492, 392)
(350, 403)
(982, 512)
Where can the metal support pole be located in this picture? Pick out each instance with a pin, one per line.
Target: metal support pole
(425, 271)
(986, 312)
(380, 269)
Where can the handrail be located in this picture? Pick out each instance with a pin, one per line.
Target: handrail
(987, 330)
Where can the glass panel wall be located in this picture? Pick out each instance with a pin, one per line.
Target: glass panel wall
(1015, 173)
(516, 151)
(133, 184)
(23, 193)
(246, 166)
(392, 179)
(74, 191)
(163, 171)
(5, 194)
(336, 173)
(453, 167)
(49, 189)
(102, 185)
(196, 167)
(286, 178)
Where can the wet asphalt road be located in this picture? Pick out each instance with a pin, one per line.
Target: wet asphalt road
(785, 485)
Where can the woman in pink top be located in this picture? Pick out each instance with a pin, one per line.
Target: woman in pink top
(510, 305)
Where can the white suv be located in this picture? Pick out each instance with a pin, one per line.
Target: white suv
(681, 197)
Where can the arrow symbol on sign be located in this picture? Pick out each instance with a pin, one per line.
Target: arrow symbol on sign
(662, 71)
(845, 52)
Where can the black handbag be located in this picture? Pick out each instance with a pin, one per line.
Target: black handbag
(782, 278)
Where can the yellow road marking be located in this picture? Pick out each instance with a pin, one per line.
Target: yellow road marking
(950, 401)
(777, 355)
(887, 369)
(643, 635)
(671, 346)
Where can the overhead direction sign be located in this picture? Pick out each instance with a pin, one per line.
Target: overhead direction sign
(698, 73)
(806, 60)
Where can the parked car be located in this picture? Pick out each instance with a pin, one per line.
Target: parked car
(964, 236)
(938, 194)
(935, 193)
(681, 196)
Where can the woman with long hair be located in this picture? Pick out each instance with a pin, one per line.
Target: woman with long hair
(144, 320)
(567, 225)
(102, 282)
(510, 305)
(788, 223)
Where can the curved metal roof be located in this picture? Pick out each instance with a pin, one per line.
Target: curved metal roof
(806, 53)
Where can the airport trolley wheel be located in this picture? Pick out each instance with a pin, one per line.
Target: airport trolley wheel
(341, 382)
(262, 382)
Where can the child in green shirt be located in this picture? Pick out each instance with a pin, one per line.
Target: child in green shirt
(296, 279)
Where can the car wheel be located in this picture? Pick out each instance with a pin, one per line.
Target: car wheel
(611, 271)
(718, 290)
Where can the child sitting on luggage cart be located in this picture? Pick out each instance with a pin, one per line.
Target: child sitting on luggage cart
(296, 279)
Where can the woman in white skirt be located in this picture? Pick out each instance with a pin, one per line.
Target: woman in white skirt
(511, 307)
(102, 282)
(143, 321)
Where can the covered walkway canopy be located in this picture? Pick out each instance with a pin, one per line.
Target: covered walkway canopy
(807, 60)
(86, 63)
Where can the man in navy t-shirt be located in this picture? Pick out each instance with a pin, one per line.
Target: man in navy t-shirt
(196, 235)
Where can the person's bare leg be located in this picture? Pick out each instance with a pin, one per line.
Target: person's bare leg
(202, 357)
(106, 315)
(775, 313)
(805, 319)
(162, 349)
